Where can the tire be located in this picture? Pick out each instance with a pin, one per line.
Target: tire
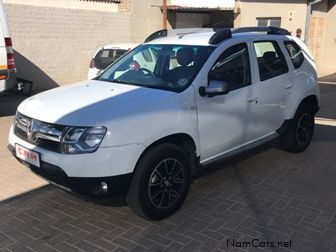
(300, 131)
(160, 183)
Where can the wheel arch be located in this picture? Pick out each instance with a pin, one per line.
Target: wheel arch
(183, 140)
(311, 100)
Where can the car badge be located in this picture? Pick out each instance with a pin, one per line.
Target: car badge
(32, 130)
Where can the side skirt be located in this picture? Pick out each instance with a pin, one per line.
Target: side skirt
(239, 149)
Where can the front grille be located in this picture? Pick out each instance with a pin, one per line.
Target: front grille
(41, 134)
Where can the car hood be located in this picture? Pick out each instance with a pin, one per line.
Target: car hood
(88, 103)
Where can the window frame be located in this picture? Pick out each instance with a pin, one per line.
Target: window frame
(249, 70)
(278, 50)
(301, 51)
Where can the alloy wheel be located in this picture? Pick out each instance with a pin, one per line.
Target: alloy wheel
(166, 183)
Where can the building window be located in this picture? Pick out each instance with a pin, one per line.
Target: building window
(274, 21)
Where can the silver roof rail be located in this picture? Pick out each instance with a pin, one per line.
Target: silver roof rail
(174, 32)
(271, 30)
(220, 34)
(226, 33)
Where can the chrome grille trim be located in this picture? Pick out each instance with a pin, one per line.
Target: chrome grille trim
(50, 133)
(39, 133)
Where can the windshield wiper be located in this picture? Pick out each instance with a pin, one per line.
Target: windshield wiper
(118, 81)
(114, 80)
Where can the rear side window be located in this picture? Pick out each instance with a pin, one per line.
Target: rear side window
(295, 53)
(271, 61)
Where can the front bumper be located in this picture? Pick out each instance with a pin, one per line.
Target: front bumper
(116, 185)
(105, 162)
(84, 173)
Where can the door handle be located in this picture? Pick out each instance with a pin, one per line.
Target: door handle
(253, 99)
(289, 86)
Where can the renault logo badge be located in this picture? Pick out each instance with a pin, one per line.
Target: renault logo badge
(32, 130)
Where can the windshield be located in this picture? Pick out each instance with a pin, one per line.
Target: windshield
(168, 67)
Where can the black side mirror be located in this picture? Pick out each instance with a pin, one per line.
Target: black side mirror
(215, 87)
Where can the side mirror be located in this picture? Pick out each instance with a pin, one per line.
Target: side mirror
(215, 87)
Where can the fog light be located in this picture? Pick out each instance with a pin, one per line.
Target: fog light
(103, 187)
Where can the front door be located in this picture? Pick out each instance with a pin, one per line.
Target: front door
(223, 120)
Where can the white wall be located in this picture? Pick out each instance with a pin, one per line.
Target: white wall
(54, 45)
(251, 9)
(68, 4)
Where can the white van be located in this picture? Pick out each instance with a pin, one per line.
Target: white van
(7, 63)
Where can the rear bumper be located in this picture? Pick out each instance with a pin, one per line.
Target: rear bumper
(116, 185)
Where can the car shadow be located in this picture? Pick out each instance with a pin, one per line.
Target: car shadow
(9, 101)
(26, 69)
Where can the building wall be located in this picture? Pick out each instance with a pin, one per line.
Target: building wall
(54, 45)
(68, 4)
(251, 9)
(328, 63)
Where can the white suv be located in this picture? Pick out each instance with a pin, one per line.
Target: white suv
(146, 132)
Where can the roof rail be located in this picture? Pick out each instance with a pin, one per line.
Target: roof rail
(226, 33)
(220, 35)
(157, 34)
(271, 30)
(173, 32)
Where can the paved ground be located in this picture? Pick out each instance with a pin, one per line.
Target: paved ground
(14, 177)
(266, 194)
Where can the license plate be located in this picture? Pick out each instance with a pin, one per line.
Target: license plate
(29, 156)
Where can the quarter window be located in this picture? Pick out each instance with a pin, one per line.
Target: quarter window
(233, 67)
(271, 61)
(295, 53)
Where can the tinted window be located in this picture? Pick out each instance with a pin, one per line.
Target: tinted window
(233, 67)
(295, 53)
(271, 61)
(107, 56)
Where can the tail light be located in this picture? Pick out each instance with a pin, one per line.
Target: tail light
(92, 64)
(10, 54)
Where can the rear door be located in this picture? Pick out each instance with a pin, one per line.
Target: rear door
(270, 88)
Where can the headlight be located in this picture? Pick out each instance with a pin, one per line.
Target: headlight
(78, 140)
